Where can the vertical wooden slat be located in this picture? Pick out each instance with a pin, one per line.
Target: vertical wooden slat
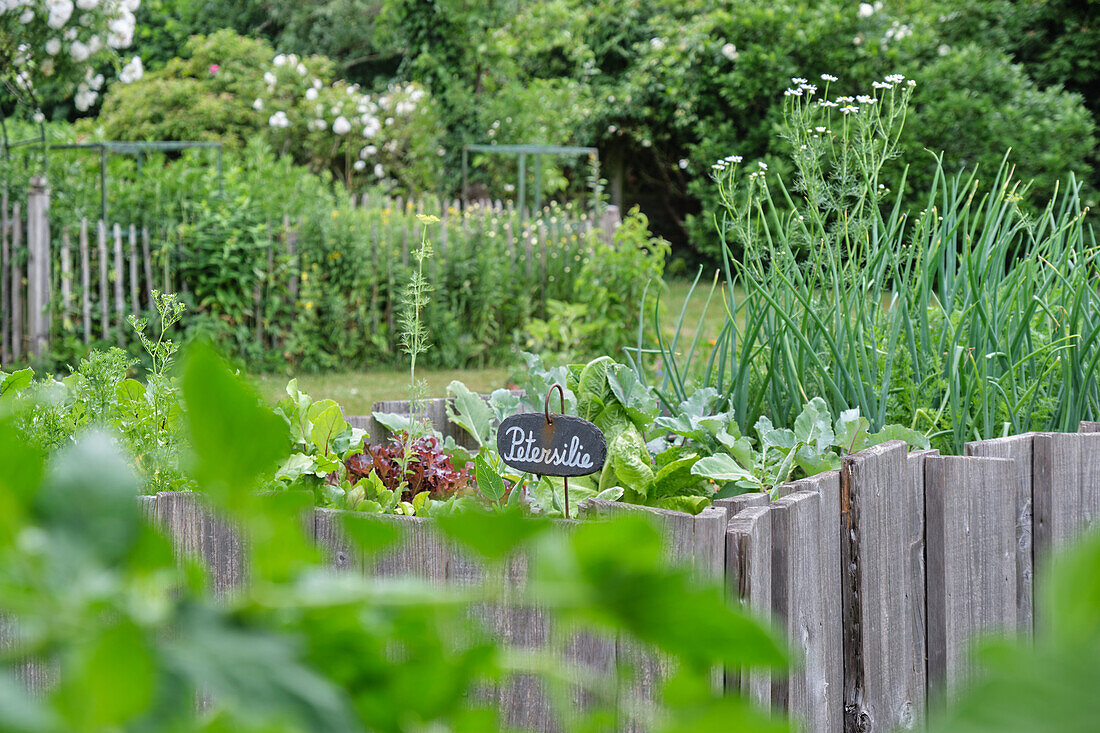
(38, 266)
(85, 282)
(104, 301)
(66, 280)
(16, 284)
(971, 536)
(197, 533)
(798, 603)
(147, 262)
(337, 550)
(119, 276)
(1089, 427)
(830, 687)
(884, 668)
(734, 505)
(135, 302)
(5, 264)
(1019, 449)
(1066, 490)
(292, 255)
(749, 579)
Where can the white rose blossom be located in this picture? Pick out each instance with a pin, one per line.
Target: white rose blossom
(341, 126)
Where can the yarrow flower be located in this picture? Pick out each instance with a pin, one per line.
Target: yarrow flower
(827, 103)
(797, 80)
(828, 77)
(882, 85)
(792, 93)
(278, 120)
(865, 99)
(763, 165)
(730, 52)
(895, 78)
(732, 159)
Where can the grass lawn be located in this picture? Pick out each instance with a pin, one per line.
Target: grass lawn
(357, 391)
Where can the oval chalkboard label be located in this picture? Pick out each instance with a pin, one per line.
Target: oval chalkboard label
(567, 446)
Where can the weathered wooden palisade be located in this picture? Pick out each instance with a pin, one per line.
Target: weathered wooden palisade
(879, 574)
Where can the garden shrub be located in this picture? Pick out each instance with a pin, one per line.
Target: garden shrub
(205, 94)
(974, 106)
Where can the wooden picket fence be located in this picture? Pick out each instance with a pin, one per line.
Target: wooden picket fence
(86, 278)
(879, 575)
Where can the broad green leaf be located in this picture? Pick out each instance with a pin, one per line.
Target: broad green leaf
(294, 466)
(420, 501)
(90, 493)
(115, 674)
(900, 432)
(722, 467)
(469, 412)
(813, 425)
(393, 422)
(630, 461)
(659, 604)
(16, 382)
(328, 422)
(489, 482)
(613, 494)
(675, 477)
(20, 480)
(593, 393)
(851, 431)
(130, 390)
(504, 403)
(637, 399)
(813, 463)
(234, 437)
(686, 504)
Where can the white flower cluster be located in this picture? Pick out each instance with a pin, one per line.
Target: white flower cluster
(724, 163)
(67, 34)
(849, 105)
(339, 107)
(866, 10)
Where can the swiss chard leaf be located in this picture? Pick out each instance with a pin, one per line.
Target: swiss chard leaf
(470, 412)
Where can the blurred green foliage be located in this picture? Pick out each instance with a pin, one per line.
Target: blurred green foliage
(131, 636)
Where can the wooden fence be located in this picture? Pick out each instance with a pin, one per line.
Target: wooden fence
(879, 574)
(83, 279)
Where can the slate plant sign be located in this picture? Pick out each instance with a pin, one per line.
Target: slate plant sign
(564, 446)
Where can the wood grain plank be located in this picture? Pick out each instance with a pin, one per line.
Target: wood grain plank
(827, 485)
(1019, 449)
(749, 579)
(798, 604)
(735, 504)
(884, 669)
(970, 509)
